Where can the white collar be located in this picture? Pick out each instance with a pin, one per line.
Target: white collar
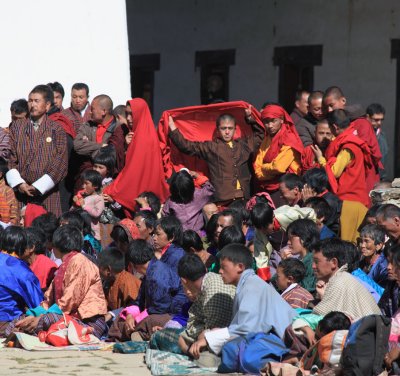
(291, 287)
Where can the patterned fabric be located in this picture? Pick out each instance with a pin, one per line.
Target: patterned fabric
(344, 293)
(97, 323)
(130, 228)
(4, 144)
(298, 297)
(166, 363)
(212, 308)
(36, 153)
(130, 347)
(166, 340)
(76, 118)
(8, 204)
(58, 282)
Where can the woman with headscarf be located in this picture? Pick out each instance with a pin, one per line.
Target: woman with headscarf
(143, 170)
(280, 151)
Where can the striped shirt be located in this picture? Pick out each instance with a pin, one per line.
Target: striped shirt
(297, 296)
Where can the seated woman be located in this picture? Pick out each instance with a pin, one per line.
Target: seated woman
(19, 287)
(168, 240)
(192, 244)
(76, 288)
(279, 153)
(161, 293)
(189, 193)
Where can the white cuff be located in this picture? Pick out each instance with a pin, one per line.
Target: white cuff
(216, 339)
(44, 184)
(14, 178)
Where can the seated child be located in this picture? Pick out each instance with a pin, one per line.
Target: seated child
(146, 222)
(189, 191)
(192, 244)
(290, 272)
(48, 223)
(8, 202)
(76, 288)
(149, 201)
(323, 212)
(123, 233)
(373, 260)
(161, 293)
(121, 288)
(167, 241)
(303, 235)
(257, 307)
(19, 287)
(90, 199)
(213, 301)
(43, 267)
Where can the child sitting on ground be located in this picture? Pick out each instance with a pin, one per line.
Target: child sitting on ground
(90, 199)
(289, 273)
(8, 202)
(323, 212)
(76, 288)
(192, 244)
(43, 267)
(121, 288)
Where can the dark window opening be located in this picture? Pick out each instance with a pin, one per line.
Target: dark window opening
(142, 77)
(214, 75)
(296, 71)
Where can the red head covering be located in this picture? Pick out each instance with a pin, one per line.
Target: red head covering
(143, 170)
(33, 211)
(130, 228)
(287, 135)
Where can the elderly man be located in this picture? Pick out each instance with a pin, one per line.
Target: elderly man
(39, 157)
(79, 112)
(388, 217)
(300, 106)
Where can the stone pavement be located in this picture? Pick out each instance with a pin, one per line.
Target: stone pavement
(70, 363)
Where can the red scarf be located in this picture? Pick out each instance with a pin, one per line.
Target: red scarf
(197, 123)
(143, 170)
(59, 277)
(308, 160)
(287, 135)
(345, 138)
(62, 120)
(33, 211)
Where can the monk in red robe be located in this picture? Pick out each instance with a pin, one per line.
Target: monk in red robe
(323, 136)
(346, 163)
(334, 99)
(279, 153)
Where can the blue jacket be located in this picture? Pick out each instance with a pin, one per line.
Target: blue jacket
(161, 290)
(172, 256)
(19, 288)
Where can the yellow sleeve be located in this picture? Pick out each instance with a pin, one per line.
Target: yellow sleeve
(280, 164)
(343, 159)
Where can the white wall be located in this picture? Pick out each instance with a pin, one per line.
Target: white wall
(67, 41)
(355, 35)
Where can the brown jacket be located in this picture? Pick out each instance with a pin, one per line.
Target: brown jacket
(226, 164)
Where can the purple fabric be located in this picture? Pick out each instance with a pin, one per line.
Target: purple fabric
(190, 214)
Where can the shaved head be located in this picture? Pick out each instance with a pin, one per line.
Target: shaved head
(333, 99)
(105, 102)
(315, 95)
(333, 91)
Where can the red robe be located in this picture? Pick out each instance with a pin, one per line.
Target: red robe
(197, 123)
(308, 160)
(351, 185)
(364, 130)
(143, 170)
(287, 136)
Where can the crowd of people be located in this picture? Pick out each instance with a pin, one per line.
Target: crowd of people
(222, 221)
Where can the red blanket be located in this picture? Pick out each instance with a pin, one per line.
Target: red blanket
(198, 123)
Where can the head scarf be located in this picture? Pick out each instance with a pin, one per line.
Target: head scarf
(143, 170)
(130, 228)
(287, 135)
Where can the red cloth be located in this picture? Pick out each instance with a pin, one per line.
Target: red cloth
(364, 130)
(308, 160)
(143, 170)
(287, 136)
(101, 130)
(44, 269)
(59, 278)
(66, 123)
(197, 123)
(351, 185)
(33, 211)
(130, 228)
